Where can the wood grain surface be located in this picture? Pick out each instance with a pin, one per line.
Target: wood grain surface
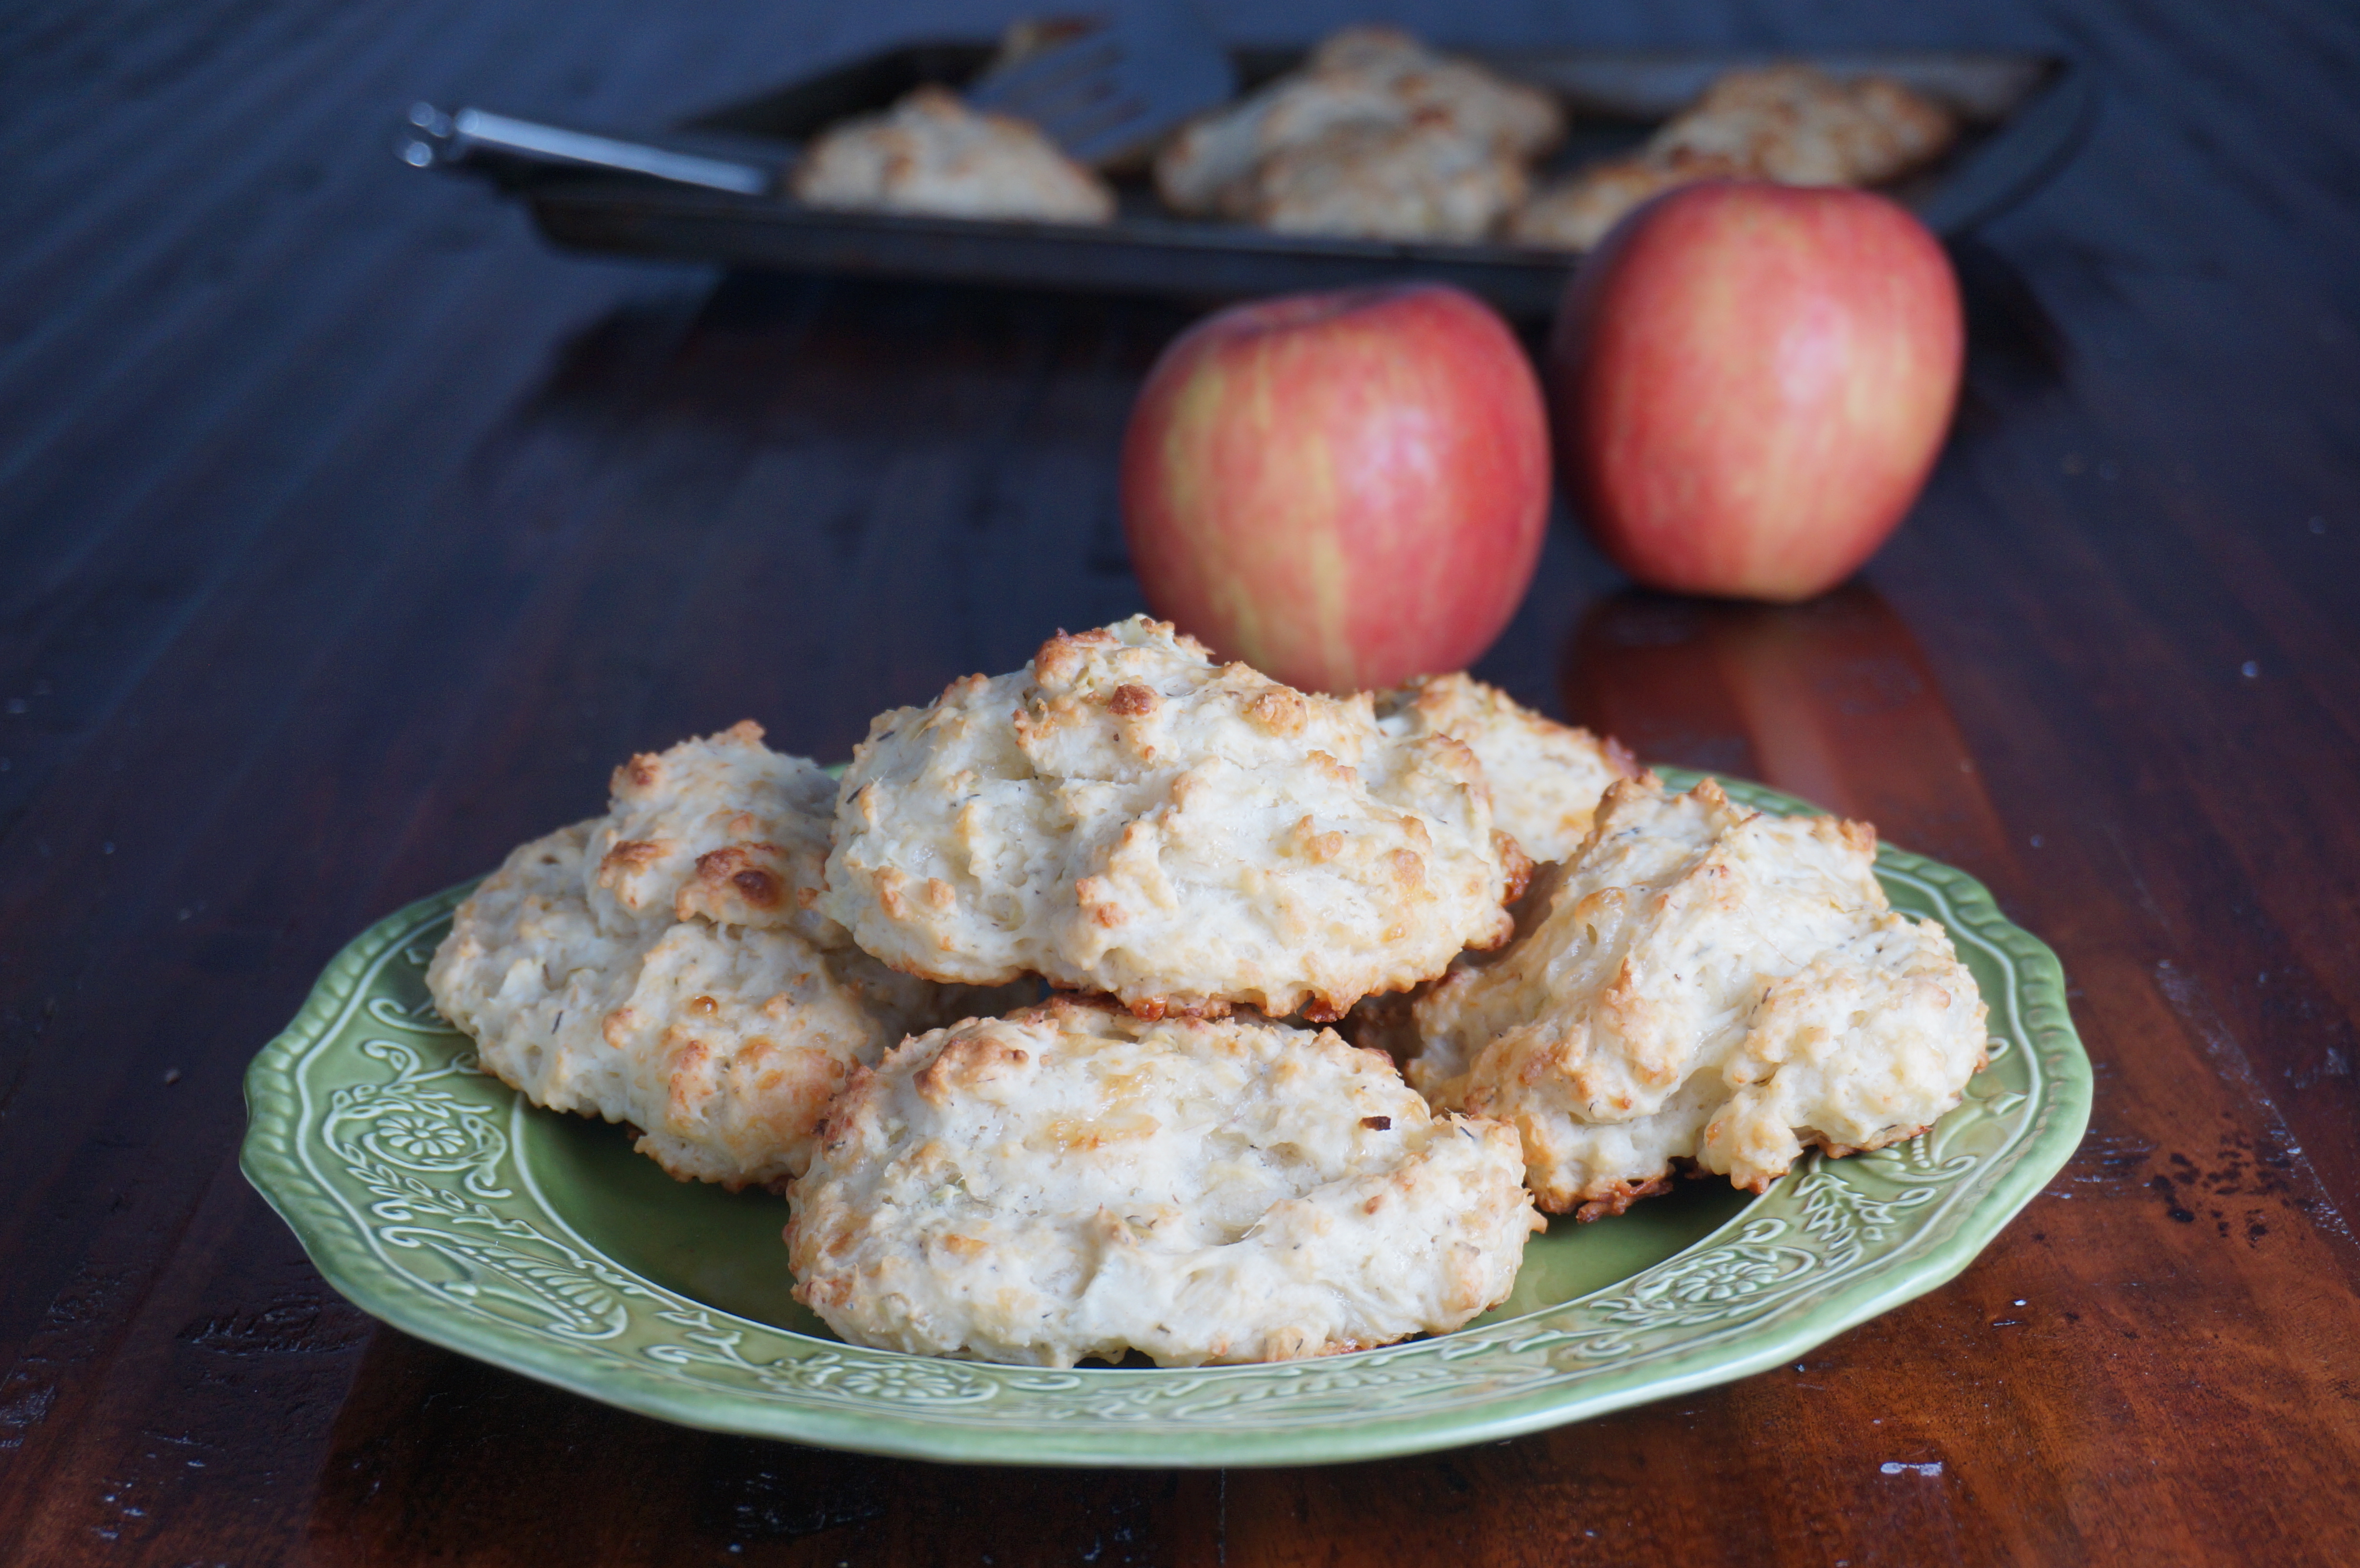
(351, 535)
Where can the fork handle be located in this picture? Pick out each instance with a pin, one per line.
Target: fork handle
(433, 139)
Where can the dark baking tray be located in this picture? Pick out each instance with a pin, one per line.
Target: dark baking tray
(2025, 115)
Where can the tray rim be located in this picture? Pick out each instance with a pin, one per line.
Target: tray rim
(2058, 1116)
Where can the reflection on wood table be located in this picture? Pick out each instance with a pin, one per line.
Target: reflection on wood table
(352, 534)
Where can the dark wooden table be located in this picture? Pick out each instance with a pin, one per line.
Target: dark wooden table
(351, 535)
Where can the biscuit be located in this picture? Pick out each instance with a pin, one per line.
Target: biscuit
(1207, 169)
(1708, 985)
(1412, 181)
(1792, 124)
(722, 827)
(1575, 213)
(1434, 87)
(1073, 1182)
(530, 973)
(1546, 777)
(1800, 126)
(1366, 80)
(1126, 815)
(722, 1042)
(931, 153)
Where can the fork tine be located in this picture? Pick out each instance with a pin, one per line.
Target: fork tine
(1029, 78)
(1144, 69)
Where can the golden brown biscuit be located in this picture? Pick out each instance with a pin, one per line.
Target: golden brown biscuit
(587, 987)
(1800, 126)
(1397, 182)
(1366, 80)
(1575, 213)
(721, 826)
(1126, 815)
(1708, 985)
(1073, 1182)
(1793, 124)
(931, 153)
(1546, 777)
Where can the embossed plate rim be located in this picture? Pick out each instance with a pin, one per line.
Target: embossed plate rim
(1556, 1365)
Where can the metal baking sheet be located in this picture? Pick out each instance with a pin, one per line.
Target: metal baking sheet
(2024, 115)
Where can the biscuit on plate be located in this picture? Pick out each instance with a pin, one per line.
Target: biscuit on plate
(1708, 985)
(931, 153)
(721, 826)
(1074, 1181)
(1546, 777)
(586, 990)
(1366, 78)
(1126, 815)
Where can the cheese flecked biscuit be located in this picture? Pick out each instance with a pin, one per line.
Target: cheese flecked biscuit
(1708, 985)
(1073, 1182)
(720, 1041)
(930, 153)
(1412, 181)
(1791, 122)
(1546, 777)
(1126, 815)
(1361, 93)
(721, 826)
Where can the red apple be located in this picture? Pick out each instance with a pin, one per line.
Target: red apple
(1752, 382)
(1343, 490)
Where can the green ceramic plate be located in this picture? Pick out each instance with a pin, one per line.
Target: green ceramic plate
(433, 1197)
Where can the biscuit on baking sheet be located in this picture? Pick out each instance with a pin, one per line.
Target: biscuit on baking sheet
(1207, 169)
(1793, 124)
(1072, 1182)
(1364, 79)
(1546, 777)
(1800, 126)
(1126, 815)
(1708, 985)
(721, 1042)
(1396, 182)
(1434, 88)
(1575, 212)
(931, 153)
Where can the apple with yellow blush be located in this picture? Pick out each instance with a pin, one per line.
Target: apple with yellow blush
(1342, 489)
(1751, 382)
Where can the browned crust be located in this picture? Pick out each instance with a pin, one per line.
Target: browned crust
(1060, 658)
(629, 855)
(1616, 1199)
(1154, 1009)
(1812, 1138)
(967, 1060)
(1519, 873)
(1598, 1203)
(749, 871)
